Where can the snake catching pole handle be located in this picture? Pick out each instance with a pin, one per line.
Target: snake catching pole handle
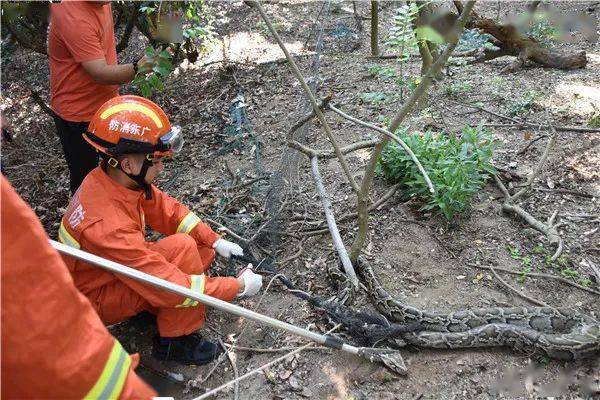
(117, 268)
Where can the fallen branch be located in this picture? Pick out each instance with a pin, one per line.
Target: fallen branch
(236, 375)
(40, 102)
(322, 106)
(523, 125)
(335, 233)
(537, 170)
(325, 126)
(518, 292)
(276, 350)
(540, 275)
(365, 144)
(549, 229)
(567, 191)
(247, 183)
(531, 142)
(223, 228)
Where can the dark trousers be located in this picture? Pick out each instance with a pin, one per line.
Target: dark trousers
(81, 157)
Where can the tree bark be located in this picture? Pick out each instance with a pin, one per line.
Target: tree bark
(124, 42)
(374, 28)
(510, 42)
(25, 40)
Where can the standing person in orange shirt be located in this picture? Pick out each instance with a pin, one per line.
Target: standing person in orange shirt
(108, 214)
(83, 75)
(54, 346)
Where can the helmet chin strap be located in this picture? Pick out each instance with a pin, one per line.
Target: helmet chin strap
(139, 178)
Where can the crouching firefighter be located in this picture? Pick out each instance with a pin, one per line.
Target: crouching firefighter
(108, 214)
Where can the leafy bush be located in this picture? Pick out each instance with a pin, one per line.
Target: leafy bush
(594, 122)
(382, 72)
(160, 71)
(375, 97)
(522, 105)
(472, 39)
(402, 40)
(457, 89)
(458, 167)
(542, 30)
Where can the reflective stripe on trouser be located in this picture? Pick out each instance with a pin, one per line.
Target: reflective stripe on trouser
(111, 380)
(188, 223)
(65, 237)
(197, 285)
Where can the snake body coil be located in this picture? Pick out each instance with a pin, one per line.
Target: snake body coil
(556, 333)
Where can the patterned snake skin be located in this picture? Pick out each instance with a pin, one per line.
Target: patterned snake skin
(556, 333)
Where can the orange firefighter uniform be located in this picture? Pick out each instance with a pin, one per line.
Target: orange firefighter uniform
(53, 343)
(108, 219)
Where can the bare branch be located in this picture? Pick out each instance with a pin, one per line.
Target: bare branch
(538, 168)
(365, 144)
(391, 136)
(518, 292)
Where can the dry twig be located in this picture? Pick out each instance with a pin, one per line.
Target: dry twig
(540, 275)
(518, 292)
(259, 369)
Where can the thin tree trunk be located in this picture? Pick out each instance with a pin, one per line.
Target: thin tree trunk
(363, 196)
(374, 28)
(124, 42)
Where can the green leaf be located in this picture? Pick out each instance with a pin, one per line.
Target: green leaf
(149, 51)
(155, 81)
(427, 33)
(145, 89)
(163, 72)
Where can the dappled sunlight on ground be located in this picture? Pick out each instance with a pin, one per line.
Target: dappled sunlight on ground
(579, 98)
(245, 47)
(339, 382)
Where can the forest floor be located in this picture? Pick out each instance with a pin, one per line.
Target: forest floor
(429, 265)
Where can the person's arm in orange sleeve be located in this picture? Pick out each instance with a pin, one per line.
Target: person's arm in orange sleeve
(129, 248)
(166, 215)
(53, 342)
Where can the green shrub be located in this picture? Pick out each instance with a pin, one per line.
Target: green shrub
(376, 97)
(457, 89)
(594, 122)
(458, 167)
(521, 105)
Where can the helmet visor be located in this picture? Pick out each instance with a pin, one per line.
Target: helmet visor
(173, 139)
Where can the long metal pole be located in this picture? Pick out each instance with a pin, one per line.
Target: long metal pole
(112, 266)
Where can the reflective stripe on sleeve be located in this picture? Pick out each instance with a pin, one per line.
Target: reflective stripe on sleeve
(196, 286)
(65, 237)
(112, 379)
(188, 223)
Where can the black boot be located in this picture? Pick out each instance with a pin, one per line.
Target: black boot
(189, 349)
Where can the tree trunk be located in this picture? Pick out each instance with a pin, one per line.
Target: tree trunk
(363, 196)
(374, 28)
(511, 42)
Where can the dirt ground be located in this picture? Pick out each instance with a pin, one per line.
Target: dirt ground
(430, 265)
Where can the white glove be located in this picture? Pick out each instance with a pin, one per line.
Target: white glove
(252, 282)
(226, 249)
